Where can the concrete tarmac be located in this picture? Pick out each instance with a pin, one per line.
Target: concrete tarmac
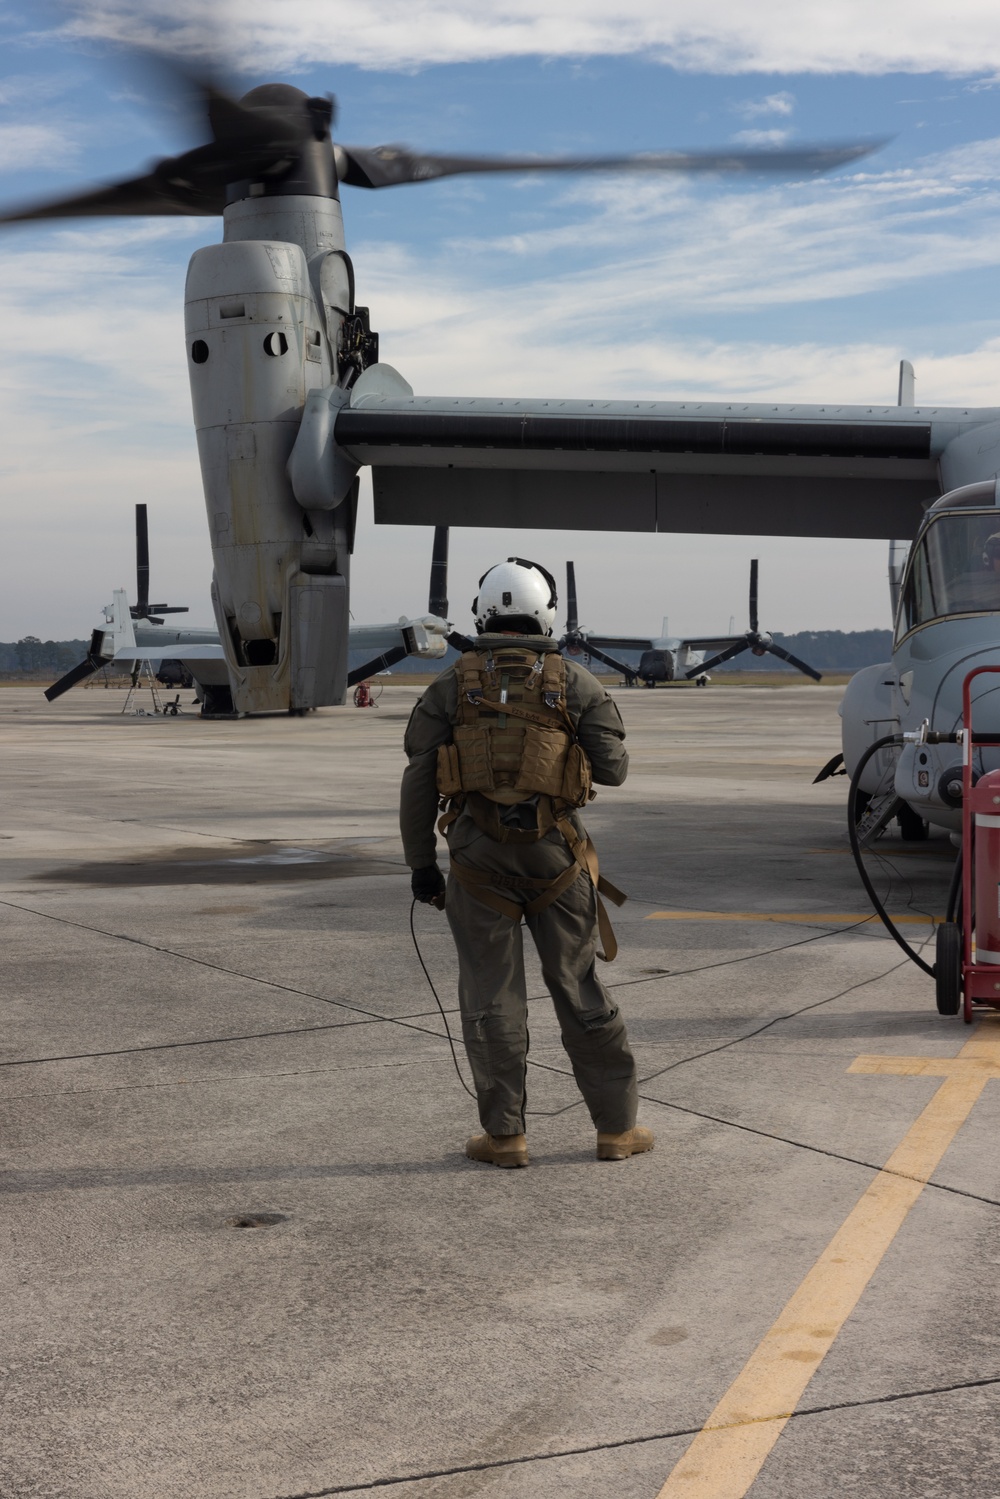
(212, 1013)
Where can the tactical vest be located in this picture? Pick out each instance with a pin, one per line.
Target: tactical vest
(513, 740)
(515, 751)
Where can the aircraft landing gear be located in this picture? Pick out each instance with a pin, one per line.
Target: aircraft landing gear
(217, 703)
(912, 828)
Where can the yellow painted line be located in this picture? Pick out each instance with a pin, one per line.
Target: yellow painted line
(812, 918)
(728, 1453)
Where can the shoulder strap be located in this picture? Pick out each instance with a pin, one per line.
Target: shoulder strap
(470, 674)
(554, 673)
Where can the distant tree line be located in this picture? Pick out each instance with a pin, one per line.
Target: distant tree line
(33, 656)
(827, 650)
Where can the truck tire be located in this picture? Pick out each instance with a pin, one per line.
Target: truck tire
(948, 968)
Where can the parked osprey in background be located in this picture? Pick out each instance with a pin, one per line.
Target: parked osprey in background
(671, 657)
(179, 656)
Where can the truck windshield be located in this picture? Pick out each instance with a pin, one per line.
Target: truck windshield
(950, 570)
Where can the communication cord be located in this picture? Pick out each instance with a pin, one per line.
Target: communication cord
(680, 973)
(444, 1017)
(852, 832)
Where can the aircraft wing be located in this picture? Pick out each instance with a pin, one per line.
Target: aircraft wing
(617, 642)
(711, 643)
(858, 471)
(175, 652)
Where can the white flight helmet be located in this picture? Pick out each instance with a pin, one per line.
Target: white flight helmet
(516, 595)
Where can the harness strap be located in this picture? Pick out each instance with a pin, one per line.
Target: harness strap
(479, 883)
(445, 822)
(475, 881)
(516, 711)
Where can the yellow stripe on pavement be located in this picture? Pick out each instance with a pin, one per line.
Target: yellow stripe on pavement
(728, 1453)
(818, 918)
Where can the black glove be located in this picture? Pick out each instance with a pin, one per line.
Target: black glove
(427, 885)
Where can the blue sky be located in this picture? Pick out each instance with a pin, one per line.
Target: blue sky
(654, 287)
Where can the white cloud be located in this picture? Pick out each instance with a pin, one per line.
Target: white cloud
(749, 248)
(26, 146)
(727, 36)
(776, 137)
(771, 104)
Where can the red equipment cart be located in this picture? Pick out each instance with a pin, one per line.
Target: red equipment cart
(967, 967)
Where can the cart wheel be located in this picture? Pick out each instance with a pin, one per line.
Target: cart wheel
(948, 968)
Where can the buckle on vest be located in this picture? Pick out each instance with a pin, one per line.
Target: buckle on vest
(475, 696)
(551, 699)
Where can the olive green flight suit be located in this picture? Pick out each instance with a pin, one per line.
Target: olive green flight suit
(492, 990)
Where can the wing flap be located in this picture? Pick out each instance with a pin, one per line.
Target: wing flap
(652, 466)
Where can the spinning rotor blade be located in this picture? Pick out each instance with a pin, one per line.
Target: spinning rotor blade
(734, 650)
(753, 595)
(389, 166)
(810, 671)
(572, 619)
(437, 602)
(137, 195)
(272, 132)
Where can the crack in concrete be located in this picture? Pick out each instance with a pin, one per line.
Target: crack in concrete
(659, 1436)
(225, 1077)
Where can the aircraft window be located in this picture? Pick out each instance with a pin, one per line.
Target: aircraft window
(199, 351)
(953, 569)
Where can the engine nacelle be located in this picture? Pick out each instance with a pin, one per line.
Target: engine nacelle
(262, 325)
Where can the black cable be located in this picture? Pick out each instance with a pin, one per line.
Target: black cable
(444, 1017)
(852, 833)
(815, 1004)
(652, 978)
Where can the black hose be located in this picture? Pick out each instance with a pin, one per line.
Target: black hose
(852, 832)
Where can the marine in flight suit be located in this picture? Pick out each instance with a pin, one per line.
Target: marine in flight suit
(492, 989)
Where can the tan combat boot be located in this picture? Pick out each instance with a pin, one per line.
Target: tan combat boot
(498, 1150)
(620, 1147)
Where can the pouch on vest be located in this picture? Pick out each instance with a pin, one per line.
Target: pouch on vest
(449, 780)
(576, 789)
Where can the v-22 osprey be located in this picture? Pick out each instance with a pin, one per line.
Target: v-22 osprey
(278, 349)
(947, 622)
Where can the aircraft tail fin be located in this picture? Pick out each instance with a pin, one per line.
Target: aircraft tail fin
(122, 630)
(907, 384)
